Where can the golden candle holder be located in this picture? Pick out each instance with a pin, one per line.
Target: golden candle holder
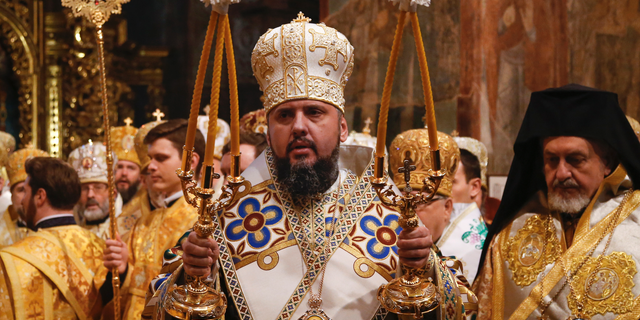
(195, 299)
(410, 294)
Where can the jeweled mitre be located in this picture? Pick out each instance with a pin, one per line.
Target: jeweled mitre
(302, 60)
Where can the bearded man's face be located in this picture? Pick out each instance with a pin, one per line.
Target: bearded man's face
(574, 168)
(305, 137)
(94, 201)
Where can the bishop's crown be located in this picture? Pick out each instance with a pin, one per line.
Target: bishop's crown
(302, 60)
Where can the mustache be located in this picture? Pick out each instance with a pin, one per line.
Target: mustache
(568, 183)
(311, 144)
(92, 201)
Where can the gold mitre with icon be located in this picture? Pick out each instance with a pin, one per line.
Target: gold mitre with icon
(415, 144)
(255, 121)
(635, 125)
(90, 161)
(15, 164)
(478, 149)
(223, 132)
(122, 142)
(142, 149)
(302, 60)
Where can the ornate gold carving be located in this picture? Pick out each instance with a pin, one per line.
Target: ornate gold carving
(331, 43)
(97, 11)
(528, 253)
(605, 289)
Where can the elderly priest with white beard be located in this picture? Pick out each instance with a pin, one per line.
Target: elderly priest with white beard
(564, 243)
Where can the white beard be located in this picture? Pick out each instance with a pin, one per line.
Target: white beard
(572, 205)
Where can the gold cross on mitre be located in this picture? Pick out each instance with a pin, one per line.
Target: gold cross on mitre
(366, 129)
(158, 114)
(207, 109)
(301, 18)
(128, 122)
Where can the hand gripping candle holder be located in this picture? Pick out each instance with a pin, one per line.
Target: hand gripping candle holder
(196, 299)
(409, 294)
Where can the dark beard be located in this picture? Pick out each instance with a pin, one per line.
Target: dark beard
(128, 193)
(302, 180)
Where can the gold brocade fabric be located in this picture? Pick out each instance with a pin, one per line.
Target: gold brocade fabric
(132, 211)
(10, 233)
(152, 235)
(52, 274)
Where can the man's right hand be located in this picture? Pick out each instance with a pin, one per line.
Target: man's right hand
(199, 255)
(116, 255)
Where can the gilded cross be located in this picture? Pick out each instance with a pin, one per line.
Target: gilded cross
(367, 123)
(406, 170)
(128, 122)
(301, 18)
(158, 114)
(331, 43)
(207, 109)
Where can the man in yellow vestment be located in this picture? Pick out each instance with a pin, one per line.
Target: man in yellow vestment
(54, 272)
(140, 258)
(563, 244)
(12, 225)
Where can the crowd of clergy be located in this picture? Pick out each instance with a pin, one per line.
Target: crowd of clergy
(311, 238)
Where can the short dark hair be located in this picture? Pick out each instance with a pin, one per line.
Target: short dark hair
(57, 178)
(258, 140)
(471, 164)
(175, 130)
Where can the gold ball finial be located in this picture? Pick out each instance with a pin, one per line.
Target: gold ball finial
(158, 114)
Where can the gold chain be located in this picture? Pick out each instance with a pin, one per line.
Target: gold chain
(569, 273)
(315, 300)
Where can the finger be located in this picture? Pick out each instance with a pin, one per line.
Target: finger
(191, 249)
(118, 237)
(419, 232)
(419, 243)
(201, 242)
(112, 257)
(109, 250)
(198, 261)
(413, 254)
(114, 243)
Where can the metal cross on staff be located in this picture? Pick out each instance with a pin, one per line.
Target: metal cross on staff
(128, 122)
(406, 170)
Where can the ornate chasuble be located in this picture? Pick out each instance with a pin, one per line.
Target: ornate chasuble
(53, 273)
(152, 235)
(102, 229)
(464, 237)
(10, 232)
(266, 244)
(528, 262)
(132, 211)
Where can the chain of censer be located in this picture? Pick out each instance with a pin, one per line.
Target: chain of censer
(107, 133)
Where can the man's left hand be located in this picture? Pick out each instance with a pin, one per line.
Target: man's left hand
(414, 247)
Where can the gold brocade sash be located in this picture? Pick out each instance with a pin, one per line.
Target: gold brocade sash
(77, 291)
(579, 248)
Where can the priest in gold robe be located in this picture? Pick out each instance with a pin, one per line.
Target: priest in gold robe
(12, 224)
(54, 272)
(127, 168)
(139, 260)
(563, 244)
(311, 240)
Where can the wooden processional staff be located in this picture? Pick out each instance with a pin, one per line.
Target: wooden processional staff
(98, 12)
(408, 295)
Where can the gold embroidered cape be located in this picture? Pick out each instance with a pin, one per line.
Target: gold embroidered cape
(522, 268)
(152, 235)
(10, 233)
(54, 273)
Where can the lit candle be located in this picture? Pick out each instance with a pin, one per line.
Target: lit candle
(430, 115)
(197, 90)
(215, 95)
(233, 91)
(388, 84)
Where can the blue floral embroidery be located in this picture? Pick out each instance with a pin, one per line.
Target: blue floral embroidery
(254, 223)
(385, 235)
